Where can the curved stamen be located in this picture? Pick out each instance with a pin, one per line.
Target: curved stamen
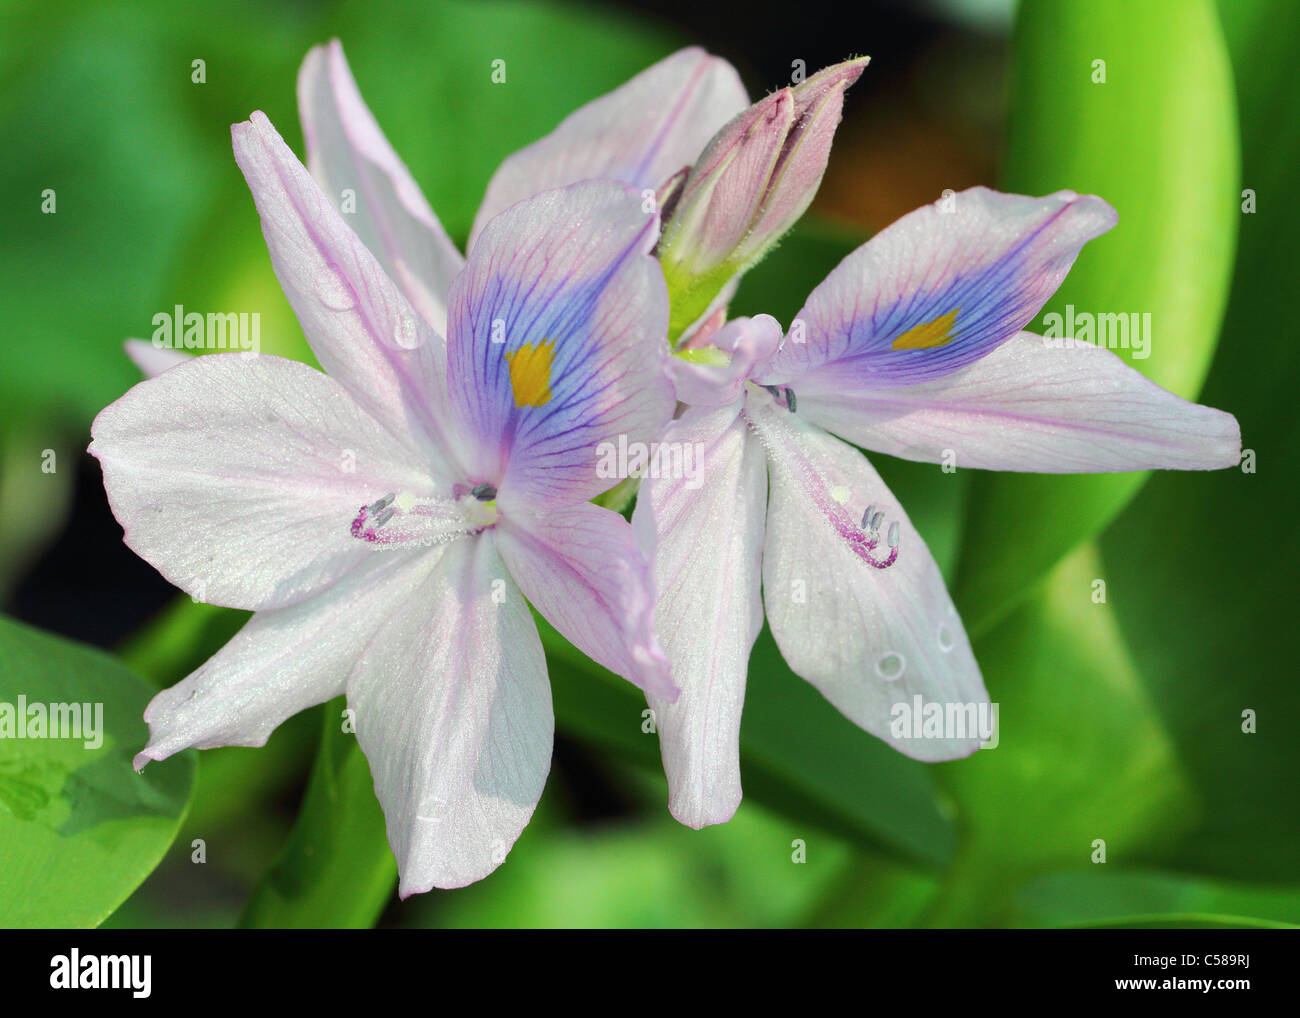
(405, 521)
(780, 436)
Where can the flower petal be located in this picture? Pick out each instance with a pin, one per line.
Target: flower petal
(938, 289)
(363, 331)
(282, 661)
(708, 542)
(869, 638)
(641, 133)
(453, 711)
(153, 360)
(238, 479)
(346, 150)
(558, 342)
(583, 569)
(1034, 406)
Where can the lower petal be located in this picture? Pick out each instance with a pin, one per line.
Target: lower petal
(1036, 407)
(453, 711)
(281, 662)
(708, 542)
(583, 569)
(861, 611)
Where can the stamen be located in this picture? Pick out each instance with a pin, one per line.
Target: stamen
(870, 539)
(484, 492)
(406, 521)
(790, 400)
(815, 474)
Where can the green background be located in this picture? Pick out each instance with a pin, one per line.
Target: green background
(1121, 721)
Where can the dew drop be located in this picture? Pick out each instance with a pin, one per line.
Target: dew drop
(404, 333)
(891, 666)
(841, 494)
(331, 291)
(946, 642)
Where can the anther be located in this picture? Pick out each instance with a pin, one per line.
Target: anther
(484, 492)
(893, 535)
(383, 503)
(866, 517)
(383, 517)
(875, 521)
(790, 400)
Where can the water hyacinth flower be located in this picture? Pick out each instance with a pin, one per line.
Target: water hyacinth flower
(385, 519)
(912, 346)
(756, 177)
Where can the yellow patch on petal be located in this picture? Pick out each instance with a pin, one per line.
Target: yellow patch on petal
(530, 373)
(929, 335)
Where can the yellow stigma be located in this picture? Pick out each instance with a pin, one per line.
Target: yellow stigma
(928, 335)
(530, 373)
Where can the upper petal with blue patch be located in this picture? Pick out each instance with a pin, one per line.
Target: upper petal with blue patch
(558, 341)
(937, 290)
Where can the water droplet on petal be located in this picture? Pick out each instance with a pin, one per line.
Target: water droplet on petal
(946, 641)
(405, 334)
(891, 666)
(333, 293)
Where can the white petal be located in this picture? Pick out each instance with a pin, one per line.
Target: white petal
(708, 543)
(346, 150)
(238, 478)
(582, 568)
(870, 639)
(281, 661)
(640, 134)
(153, 360)
(453, 711)
(362, 329)
(1036, 407)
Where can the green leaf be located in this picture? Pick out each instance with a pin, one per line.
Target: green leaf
(1080, 756)
(1145, 897)
(79, 829)
(336, 870)
(652, 873)
(1204, 565)
(1158, 140)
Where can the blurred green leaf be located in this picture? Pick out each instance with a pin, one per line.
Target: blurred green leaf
(1080, 755)
(1097, 896)
(651, 873)
(1204, 565)
(1158, 140)
(336, 870)
(79, 829)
